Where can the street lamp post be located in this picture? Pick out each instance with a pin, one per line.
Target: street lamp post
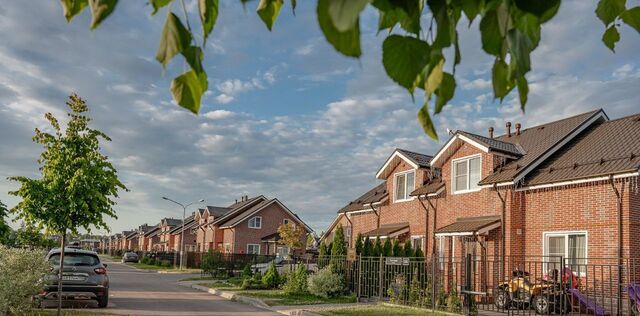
(184, 212)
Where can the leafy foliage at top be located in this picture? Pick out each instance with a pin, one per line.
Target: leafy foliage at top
(292, 236)
(78, 184)
(5, 230)
(339, 247)
(415, 59)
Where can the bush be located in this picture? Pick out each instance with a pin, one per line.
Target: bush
(158, 263)
(271, 278)
(325, 283)
(21, 277)
(144, 260)
(253, 283)
(297, 281)
(247, 273)
(213, 263)
(167, 264)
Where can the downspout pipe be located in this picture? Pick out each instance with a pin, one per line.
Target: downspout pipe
(426, 221)
(377, 214)
(503, 226)
(346, 215)
(620, 251)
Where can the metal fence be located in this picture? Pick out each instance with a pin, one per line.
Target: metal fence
(475, 285)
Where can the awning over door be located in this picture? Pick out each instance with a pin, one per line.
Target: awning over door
(389, 230)
(468, 226)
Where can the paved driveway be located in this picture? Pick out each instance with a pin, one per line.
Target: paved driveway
(135, 292)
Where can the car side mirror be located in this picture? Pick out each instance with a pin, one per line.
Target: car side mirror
(104, 264)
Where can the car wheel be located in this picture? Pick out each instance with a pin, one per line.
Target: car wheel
(501, 299)
(541, 304)
(103, 300)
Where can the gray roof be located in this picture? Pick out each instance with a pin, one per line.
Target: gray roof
(217, 211)
(495, 144)
(377, 194)
(419, 159)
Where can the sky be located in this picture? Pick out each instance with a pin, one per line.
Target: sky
(285, 115)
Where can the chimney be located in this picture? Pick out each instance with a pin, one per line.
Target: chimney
(508, 129)
(490, 131)
(518, 126)
(236, 200)
(246, 198)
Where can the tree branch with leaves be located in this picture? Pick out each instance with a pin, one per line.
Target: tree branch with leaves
(413, 55)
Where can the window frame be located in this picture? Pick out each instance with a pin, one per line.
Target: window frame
(467, 159)
(253, 253)
(566, 235)
(253, 218)
(422, 242)
(408, 197)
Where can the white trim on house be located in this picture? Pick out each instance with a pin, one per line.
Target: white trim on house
(407, 193)
(254, 226)
(566, 234)
(395, 154)
(532, 166)
(287, 210)
(359, 211)
(451, 141)
(453, 175)
(579, 181)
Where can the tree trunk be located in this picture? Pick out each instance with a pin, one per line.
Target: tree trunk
(61, 267)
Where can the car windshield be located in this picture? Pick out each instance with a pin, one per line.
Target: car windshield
(75, 260)
(130, 254)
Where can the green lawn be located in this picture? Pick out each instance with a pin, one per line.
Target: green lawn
(277, 297)
(376, 310)
(207, 278)
(232, 283)
(157, 268)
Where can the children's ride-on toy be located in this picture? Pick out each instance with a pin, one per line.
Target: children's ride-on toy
(545, 296)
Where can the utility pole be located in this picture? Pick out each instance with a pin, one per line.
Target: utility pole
(184, 212)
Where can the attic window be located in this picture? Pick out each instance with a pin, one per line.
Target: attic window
(403, 185)
(255, 222)
(466, 174)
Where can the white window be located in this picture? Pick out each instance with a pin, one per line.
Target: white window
(466, 174)
(283, 251)
(441, 251)
(403, 185)
(570, 246)
(255, 222)
(253, 249)
(417, 241)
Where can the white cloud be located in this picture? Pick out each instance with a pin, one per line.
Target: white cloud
(476, 84)
(219, 114)
(231, 88)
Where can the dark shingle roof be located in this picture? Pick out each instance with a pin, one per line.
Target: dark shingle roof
(387, 230)
(173, 221)
(376, 194)
(495, 144)
(218, 211)
(536, 141)
(419, 159)
(237, 218)
(605, 148)
(238, 207)
(469, 224)
(189, 222)
(429, 188)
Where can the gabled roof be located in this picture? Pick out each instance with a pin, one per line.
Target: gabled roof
(416, 160)
(131, 234)
(540, 142)
(431, 188)
(189, 223)
(218, 211)
(495, 145)
(238, 207)
(153, 231)
(171, 221)
(377, 194)
(248, 212)
(605, 148)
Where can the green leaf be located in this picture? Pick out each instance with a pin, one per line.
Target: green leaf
(490, 33)
(71, 8)
(608, 10)
(471, 8)
(175, 38)
(632, 17)
(523, 91)
(434, 79)
(443, 31)
(345, 13)
(193, 55)
(445, 91)
(500, 79)
(520, 47)
(208, 15)
(268, 11)
(294, 4)
(425, 121)
(543, 9)
(611, 37)
(530, 25)
(157, 4)
(187, 91)
(404, 58)
(405, 12)
(347, 43)
(100, 10)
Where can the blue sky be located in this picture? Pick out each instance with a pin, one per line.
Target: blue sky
(285, 116)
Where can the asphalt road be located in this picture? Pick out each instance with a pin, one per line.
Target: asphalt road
(136, 292)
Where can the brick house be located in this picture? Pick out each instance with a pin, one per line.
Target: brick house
(189, 235)
(164, 234)
(131, 242)
(566, 188)
(246, 226)
(142, 241)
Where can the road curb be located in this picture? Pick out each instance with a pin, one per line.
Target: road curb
(247, 300)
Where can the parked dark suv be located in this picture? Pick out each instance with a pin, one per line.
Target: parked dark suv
(130, 257)
(83, 276)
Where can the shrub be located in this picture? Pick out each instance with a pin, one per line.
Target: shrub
(253, 283)
(397, 249)
(167, 264)
(247, 273)
(21, 277)
(387, 248)
(158, 263)
(297, 281)
(271, 278)
(213, 263)
(325, 283)
(144, 260)
(453, 302)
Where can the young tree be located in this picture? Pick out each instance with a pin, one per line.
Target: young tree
(418, 253)
(377, 247)
(292, 236)
(359, 244)
(387, 248)
(408, 249)
(323, 249)
(367, 249)
(509, 31)
(339, 247)
(78, 184)
(397, 249)
(5, 230)
(32, 237)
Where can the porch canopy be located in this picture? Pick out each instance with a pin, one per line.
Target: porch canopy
(275, 237)
(469, 226)
(389, 230)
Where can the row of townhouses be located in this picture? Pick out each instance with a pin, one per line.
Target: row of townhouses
(565, 188)
(248, 226)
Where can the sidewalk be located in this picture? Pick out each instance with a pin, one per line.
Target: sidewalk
(294, 310)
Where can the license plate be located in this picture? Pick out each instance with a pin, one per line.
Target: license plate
(72, 278)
